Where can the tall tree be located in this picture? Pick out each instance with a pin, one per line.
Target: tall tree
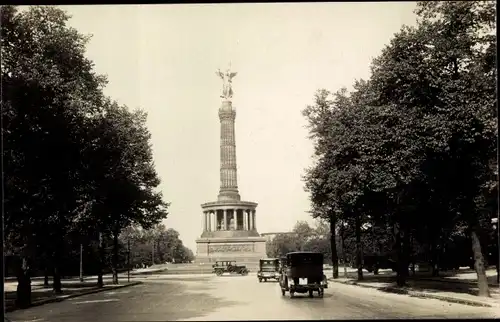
(442, 72)
(48, 89)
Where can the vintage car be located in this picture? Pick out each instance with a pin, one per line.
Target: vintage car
(303, 273)
(268, 269)
(221, 267)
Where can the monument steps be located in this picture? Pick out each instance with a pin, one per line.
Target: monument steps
(202, 268)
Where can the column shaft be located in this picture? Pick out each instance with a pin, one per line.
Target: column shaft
(224, 225)
(228, 168)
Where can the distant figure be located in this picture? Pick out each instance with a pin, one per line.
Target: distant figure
(231, 224)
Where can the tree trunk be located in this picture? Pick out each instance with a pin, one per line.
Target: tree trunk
(434, 258)
(402, 267)
(405, 255)
(344, 257)
(413, 260)
(56, 283)
(46, 274)
(482, 280)
(359, 248)
(333, 245)
(115, 258)
(23, 292)
(159, 249)
(46, 278)
(100, 255)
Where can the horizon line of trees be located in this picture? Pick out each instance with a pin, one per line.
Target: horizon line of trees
(375, 243)
(412, 150)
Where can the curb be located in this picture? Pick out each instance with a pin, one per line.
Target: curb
(402, 291)
(65, 297)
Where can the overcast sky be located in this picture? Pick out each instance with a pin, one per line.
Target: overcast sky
(163, 58)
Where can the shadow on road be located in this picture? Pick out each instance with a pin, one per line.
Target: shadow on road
(306, 296)
(422, 282)
(162, 300)
(39, 292)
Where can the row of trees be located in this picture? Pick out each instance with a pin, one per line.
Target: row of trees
(303, 237)
(154, 246)
(412, 151)
(78, 166)
(374, 242)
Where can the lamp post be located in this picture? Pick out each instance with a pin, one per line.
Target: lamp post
(81, 262)
(153, 254)
(128, 260)
(343, 226)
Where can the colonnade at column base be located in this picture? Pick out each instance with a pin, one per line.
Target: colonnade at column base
(229, 216)
(230, 234)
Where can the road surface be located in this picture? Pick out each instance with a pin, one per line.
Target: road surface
(203, 297)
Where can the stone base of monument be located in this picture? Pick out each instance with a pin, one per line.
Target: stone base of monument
(245, 251)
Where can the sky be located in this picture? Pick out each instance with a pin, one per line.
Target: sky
(163, 58)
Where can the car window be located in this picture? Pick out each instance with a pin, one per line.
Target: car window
(306, 259)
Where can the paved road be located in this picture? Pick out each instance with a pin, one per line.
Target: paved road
(163, 298)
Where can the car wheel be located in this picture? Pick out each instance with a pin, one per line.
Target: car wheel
(292, 294)
(218, 273)
(311, 293)
(321, 292)
(260, 280)
(282, 292)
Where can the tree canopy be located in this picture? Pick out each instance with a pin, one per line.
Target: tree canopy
(389, 151)
(79, 166)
